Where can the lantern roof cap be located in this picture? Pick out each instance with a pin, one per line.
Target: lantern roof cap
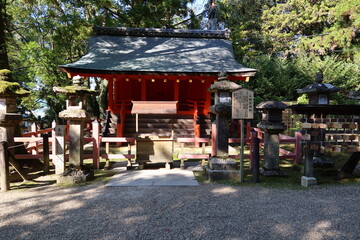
(319, 86)
(224, 85)
(272, 105)
(76, 88)
(7, 87)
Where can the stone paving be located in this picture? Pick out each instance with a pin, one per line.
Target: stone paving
(152, 177)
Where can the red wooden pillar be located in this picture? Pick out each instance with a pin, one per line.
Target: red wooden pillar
(110, 94)
(213, 139)
(115, 95)
(176, 90)
(208, 97)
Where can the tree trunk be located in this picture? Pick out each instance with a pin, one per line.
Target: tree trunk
(4, 61)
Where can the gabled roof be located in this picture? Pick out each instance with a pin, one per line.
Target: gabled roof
(158, 51)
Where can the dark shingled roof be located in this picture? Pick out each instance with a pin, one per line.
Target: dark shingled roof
(162, 51)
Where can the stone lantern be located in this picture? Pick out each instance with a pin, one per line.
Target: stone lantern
(9, 116)
(318, 92)
(272, 124)
(9, 119)
(77, 115)
(222, 109)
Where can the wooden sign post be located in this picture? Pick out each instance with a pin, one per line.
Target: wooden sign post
(242, 108)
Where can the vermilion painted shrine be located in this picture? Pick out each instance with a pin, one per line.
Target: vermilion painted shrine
(158, 66)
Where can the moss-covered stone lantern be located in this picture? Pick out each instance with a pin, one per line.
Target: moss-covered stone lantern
(222, 109)
(76, 113)
(9, 116)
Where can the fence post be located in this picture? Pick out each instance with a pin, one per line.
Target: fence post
(297, 146)
(252, 136)
(96, 143)
(34, 134)
(4, 167)
(53, 139)
(255, 161)
(213, 139)
(46, 152)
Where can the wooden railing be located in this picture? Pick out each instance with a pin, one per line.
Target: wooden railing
(251, 133)
(33, 142)
(182, 155)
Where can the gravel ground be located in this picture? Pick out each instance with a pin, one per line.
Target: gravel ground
(209, 211)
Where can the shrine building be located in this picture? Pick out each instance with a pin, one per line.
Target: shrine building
(166, 73)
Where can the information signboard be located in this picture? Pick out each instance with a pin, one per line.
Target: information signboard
(242, 104)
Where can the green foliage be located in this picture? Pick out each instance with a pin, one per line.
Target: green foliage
(243, 17)
(277, 79)
(307, 26)
(303, 99)
(43, 34)
(290, 41)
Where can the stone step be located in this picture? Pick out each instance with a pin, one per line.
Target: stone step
(168, 121)
(161, 116)
(160, 125)
(155, 132)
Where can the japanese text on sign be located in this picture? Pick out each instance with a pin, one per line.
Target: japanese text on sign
(243, 104)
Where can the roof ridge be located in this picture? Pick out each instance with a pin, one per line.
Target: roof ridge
(159, 32)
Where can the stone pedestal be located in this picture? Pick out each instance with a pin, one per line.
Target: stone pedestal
(77, 118)
(222, 164)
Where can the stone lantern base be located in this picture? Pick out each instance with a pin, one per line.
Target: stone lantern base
(222, 168)
(272, 172)
(75, 176)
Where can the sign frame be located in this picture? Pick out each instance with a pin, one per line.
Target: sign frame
(242, 105)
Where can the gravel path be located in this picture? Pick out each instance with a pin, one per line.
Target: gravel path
(209, 211)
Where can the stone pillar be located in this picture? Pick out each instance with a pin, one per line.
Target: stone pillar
(271, 151)
(222, 139)
(76, 145)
